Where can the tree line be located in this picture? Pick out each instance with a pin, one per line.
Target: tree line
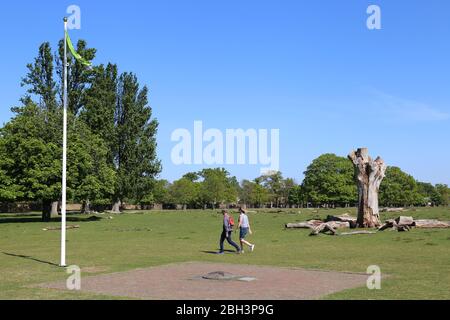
(111, 135)
(329, 181)
(112, 152)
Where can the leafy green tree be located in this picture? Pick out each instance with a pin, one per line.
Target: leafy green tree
(245, 192)
(259, 195)
(273, 182)
(428, 193)
(32, 161)
(93, 176)
(443, 195)
(217, 187)
(296, 196)
(29, 158)
(288, 185)
(100, 106)
(40, 80)
(330, 180)
(399, 189)
(184, 192)
(135, 151)
(79, 76)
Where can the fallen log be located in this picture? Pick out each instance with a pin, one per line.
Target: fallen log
(323, 228)
(395, 226)
(430, 224)
(342, 218)
(301, 225)
(393, 210)
(316, 223)
(356, 233)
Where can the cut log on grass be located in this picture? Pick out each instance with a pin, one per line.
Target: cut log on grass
(300, 225)
(370, 173)
(430, 224)
(405, 221)
(393, 210)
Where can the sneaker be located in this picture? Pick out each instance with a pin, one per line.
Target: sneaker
(220, 252)
(252, 248)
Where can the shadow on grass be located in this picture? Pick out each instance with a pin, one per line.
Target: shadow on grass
(30, 258)
(37, 218)
(217, 252)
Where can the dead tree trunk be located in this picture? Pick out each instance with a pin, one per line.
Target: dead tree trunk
(117, 206)
(369, 174)
(86, 208)
(55, 207)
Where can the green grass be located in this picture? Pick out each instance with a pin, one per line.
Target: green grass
(417, 262)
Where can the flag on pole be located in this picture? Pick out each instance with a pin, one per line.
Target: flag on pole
(75, 54)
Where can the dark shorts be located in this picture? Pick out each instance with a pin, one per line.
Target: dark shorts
(243, 233)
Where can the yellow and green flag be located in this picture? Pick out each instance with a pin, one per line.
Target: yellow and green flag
(75, 54)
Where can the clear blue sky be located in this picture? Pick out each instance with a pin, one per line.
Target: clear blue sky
(309, 68)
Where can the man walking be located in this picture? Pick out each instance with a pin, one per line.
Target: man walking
(227, 232)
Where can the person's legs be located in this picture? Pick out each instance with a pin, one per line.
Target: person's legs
(222, 240)
(232, 243)
(246, 243)
(243, 234)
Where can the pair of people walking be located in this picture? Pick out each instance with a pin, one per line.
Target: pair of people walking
(244, 230)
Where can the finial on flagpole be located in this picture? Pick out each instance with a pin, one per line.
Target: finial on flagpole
(65, 19)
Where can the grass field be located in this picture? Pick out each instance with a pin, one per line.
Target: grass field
(417, 262)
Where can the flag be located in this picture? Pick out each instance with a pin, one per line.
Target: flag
(75, 54)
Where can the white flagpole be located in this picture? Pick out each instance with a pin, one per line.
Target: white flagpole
(64, 168)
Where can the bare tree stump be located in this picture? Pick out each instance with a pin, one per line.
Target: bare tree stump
(370, 174)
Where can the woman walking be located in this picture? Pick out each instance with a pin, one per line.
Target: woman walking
(244, 230)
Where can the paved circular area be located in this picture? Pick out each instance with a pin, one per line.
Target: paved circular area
(185, 282)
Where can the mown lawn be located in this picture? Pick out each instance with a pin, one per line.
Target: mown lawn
(417, 262)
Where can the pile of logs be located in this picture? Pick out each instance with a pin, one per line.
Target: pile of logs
(328, 226)
(406, 223)
(332, 224)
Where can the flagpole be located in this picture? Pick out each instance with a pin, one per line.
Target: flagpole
(64, 164)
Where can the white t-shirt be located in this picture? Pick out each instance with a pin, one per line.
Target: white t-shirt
(244, 221)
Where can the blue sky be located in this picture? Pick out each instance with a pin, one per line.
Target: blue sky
(309, 68)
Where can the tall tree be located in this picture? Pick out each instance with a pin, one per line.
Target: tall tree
(40, 78)
(135, 151)
(79, 76)
(100, 105)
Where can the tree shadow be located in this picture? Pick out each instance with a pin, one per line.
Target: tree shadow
(30, 258)
(35, 218)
